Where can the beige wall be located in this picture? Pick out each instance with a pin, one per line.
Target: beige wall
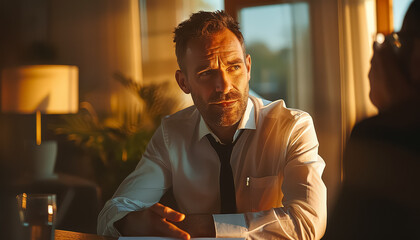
(101, 37)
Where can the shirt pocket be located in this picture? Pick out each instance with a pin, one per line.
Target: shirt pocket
(264, 192)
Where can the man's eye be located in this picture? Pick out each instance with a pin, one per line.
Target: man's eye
(205, 73)
(234, 68)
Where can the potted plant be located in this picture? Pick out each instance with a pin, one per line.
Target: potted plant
(115, 146)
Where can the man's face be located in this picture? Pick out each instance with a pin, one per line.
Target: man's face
(378, 91)
(216, 74)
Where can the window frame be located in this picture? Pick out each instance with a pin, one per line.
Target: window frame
(232, 7)
(384, 17)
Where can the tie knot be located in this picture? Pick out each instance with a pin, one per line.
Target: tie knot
(222, 150)
(213, 140)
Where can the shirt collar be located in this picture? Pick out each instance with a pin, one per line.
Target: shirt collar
(247, 122)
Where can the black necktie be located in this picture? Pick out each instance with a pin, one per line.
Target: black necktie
(227, 184)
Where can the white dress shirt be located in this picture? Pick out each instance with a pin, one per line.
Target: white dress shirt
(276, 168)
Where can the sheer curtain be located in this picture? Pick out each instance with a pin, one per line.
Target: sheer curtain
(302, 49)
(358, 26)
(342, 39)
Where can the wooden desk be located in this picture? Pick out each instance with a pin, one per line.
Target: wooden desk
(68, 235)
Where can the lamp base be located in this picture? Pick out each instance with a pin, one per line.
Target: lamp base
(42, 159)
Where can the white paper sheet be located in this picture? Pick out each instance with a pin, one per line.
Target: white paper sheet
(165, 238)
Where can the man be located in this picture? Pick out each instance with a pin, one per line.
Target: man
(276, 185)
(382, 158)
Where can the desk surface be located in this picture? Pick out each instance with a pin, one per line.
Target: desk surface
(68, 235)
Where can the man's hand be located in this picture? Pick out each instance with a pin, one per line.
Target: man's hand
(154, 221)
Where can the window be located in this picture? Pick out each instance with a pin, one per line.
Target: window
(399, 7)
(278, 39)
(270, 50)
(390, 14)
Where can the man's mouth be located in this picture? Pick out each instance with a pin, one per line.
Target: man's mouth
(224, 104)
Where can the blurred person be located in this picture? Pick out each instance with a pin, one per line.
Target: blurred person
(276, 191)
(379, 199)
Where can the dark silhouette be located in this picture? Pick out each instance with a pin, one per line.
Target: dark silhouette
(379, 198)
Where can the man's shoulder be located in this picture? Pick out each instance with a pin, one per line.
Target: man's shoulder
(277, 109)
(182, 118)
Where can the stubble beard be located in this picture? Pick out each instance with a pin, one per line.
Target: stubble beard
(222, 117)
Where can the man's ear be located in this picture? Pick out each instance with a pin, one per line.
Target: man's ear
(248, 66)
(181, 79)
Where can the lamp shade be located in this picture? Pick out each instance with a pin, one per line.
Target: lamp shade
(50, 89)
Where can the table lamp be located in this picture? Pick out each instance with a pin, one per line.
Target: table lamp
(40, 89)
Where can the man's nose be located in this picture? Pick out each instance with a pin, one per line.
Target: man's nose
(223, 83)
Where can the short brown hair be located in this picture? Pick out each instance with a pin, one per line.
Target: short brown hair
(202, 24)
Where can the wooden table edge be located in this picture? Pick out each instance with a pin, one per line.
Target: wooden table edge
(69, 235)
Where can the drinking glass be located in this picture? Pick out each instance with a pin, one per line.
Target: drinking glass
(37, 215)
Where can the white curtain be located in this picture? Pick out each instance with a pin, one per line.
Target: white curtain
(342, 47)
(302, 82)
(357, 27)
